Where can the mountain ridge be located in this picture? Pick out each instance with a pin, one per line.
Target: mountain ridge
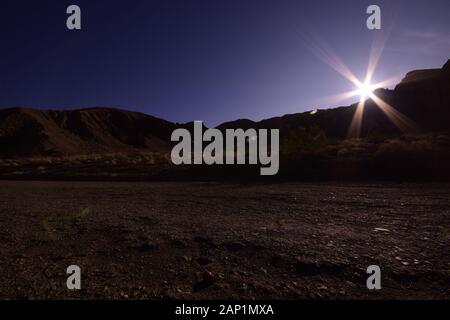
(422, 96)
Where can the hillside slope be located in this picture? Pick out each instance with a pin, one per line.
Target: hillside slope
(423, 96)
(30, 132)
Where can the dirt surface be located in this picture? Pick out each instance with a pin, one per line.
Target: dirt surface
(207, 241)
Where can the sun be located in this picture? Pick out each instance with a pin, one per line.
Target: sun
(365, 90)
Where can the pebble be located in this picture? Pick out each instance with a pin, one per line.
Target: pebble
(381, 230)
(203, 261)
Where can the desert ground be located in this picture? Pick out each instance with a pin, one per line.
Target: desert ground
(155, 240)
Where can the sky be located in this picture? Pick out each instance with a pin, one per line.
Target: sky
(209, 60)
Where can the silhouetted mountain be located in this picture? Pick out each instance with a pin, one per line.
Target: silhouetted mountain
(413, 142)
(423, 96)
(30, 132)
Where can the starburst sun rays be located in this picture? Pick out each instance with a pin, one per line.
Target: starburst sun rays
(364, 89)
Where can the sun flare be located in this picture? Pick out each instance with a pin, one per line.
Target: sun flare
(365, 90)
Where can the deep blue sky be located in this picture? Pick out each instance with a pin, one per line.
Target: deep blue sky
(211, 60)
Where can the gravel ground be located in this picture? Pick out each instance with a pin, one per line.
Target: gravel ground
(223, 241)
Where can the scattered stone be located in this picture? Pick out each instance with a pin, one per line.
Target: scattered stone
(205, 241)
(234, 246)
(146, 247)
(244, 273)
(381, 230)
(179, 243)
(207, 279)
(279, 260)
(243, 287)
(124, 295)
(203, 261)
